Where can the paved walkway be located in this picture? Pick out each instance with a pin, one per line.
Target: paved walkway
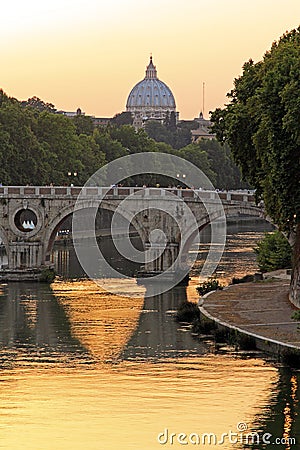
(262, 308)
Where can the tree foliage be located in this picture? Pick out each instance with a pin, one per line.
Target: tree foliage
(84, 124)
(168, 132)
(123, 118)
(40, 105)
(40, 146)
(199, 158)
(227, 174)
(273, 252)
(261, 126)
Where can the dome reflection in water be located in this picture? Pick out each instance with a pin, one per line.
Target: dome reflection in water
(82, 368)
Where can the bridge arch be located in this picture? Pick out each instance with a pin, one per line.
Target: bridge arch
(230, 211)
(64, 213)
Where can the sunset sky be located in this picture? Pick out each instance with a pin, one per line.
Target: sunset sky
(90, 53)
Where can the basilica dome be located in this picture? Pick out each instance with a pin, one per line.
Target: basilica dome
(150, 99)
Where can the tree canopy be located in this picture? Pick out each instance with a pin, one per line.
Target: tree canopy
(261, 126)
(273, 252)
(38, 145)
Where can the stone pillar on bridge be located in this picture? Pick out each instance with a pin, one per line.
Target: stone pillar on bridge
(23, 255)
(23, 219)
(160, 257)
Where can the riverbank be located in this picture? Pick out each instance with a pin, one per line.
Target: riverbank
(260, 310)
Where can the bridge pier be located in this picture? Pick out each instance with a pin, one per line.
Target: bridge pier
(163, 260)
(25, 262)
(25, 255)
(160, 257)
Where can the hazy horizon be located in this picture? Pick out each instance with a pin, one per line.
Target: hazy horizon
(89, 54)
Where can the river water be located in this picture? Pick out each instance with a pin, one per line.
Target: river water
(85, 369)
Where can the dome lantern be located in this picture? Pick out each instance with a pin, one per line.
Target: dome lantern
(151, 71)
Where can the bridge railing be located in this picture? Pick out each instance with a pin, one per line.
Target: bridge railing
(118, 191)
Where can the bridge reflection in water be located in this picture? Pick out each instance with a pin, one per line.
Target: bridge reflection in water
(76, 324)
(79, 324)
(100, 388)
(35, 328)
(158, 335)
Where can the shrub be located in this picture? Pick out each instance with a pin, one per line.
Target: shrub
(188, 312)
(296, 315)
(291, 357)
(273, 252)
(47, 276)
(208, 286)
(203, 326)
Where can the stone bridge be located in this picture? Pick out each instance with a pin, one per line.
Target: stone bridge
(30, 217)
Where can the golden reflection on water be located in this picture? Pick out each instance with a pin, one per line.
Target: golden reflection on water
(287, 412)
(101, 321)
(124, 405)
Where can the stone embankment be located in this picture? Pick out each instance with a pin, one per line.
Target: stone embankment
(260, 310)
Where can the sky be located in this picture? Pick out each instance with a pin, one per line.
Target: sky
(90, 53)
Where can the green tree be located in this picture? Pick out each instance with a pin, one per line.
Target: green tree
(112, 148)
(134, 141)
(228, 175)
(58, 135)
(273, 252)
(158, 132)
(261, 126)
(123, 118)
(21, 152)
(83, 124)
(172, 122)
(195, 155)
(91, 157)
(39, 147)
(40, 105)
(176, 136)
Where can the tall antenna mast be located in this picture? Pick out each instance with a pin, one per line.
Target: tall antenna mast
(203, 98)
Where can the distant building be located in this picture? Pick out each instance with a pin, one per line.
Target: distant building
(78, 112)
(204, 129)
(101, 121)
(150, 99)
(97, 121)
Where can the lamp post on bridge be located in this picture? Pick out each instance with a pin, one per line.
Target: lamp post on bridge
(181, 178)
(72, 174)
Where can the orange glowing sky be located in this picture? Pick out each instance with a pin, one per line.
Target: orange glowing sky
(90, 53)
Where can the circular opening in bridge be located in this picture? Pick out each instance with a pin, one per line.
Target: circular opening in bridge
(25, 220)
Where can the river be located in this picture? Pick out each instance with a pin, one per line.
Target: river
(85, 369)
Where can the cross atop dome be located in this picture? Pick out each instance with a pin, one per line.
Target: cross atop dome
(151, 71)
